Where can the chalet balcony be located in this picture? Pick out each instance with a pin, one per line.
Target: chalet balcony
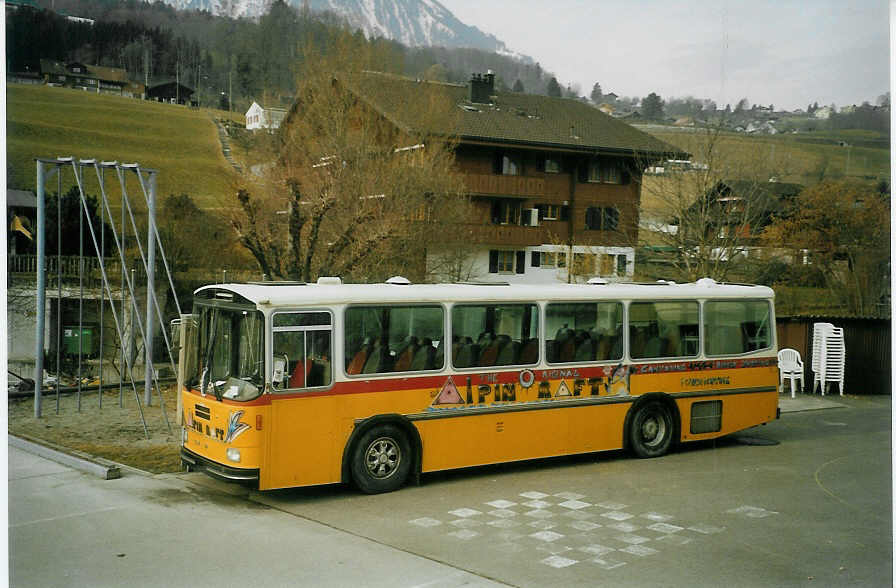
(510, 235)
(499, 185)
(21, 270)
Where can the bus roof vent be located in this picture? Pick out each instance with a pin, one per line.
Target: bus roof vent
(706, 282)
(398, 281)
(329, 281)
(598, 282)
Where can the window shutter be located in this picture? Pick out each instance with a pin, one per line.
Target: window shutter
(520, 262)
(539, 162)
(536, 259)
(625, 177)
(611, 219)
(590, 221)
(492, 262)
(564, 213)
(498, 162)
(583, 172)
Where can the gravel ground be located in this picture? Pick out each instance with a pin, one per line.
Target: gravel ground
(114, 431)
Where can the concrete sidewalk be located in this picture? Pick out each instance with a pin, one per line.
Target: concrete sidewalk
(804, 402)
(68, 528)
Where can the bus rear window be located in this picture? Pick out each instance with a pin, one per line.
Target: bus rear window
(736, 326)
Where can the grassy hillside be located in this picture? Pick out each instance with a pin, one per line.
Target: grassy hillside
(180, 143)
(804, 158)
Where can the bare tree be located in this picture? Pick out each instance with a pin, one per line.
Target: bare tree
(700, 218)
(359, 196)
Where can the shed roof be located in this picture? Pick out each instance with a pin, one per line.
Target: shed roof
(21, 199)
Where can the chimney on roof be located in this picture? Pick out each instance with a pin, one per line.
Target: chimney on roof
(482, 88)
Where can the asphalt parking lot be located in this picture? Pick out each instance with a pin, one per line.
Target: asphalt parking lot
(803, 501)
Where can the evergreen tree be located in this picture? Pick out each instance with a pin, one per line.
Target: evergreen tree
(518, 87)
(596, 93)
(554, 88)
(652, 107)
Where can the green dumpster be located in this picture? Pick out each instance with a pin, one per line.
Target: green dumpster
(72, 337)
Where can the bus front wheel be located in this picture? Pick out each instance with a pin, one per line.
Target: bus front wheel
(381, 460)
(650, 433)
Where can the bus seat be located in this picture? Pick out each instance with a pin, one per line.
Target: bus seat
(404, 356)
(563, 346)
(489, 354)
(376, 361)
(424, 357)
(360, 358)
(509, 352)
(585, 348)
(297, 379)
(529, 351)
(467, 355)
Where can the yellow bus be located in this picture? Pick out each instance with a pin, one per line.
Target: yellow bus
(289, 384)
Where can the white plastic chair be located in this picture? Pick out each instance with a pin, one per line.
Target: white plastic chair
(790, 366)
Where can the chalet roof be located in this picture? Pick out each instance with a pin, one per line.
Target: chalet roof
(510, 118)
(773, 190)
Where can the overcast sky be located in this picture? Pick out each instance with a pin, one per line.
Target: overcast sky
(789, 53)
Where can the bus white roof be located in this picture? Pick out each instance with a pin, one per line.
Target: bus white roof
(297, 295)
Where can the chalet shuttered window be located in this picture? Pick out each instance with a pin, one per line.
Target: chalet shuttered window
(602, 218)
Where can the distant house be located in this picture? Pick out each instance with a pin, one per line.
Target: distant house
(93, 78)
(760, 200)
(169, 91)
(261, 117)
(607, 108)
(824, 112)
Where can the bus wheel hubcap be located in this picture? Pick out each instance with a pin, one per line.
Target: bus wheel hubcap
(383, 456)
(652, 430)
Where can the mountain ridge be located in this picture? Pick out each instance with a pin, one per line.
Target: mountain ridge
(415, 23)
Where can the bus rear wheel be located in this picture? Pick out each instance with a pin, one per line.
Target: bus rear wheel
(381, 460)
(650, 432)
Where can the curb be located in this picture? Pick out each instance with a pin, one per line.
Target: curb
(97, 466)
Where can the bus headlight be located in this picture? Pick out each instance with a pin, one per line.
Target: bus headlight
(233, 454)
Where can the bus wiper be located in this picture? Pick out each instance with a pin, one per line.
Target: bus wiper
(208, 357)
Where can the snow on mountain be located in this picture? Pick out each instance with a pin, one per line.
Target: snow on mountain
(411, 22)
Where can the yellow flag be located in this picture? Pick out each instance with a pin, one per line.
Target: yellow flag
(17, 225)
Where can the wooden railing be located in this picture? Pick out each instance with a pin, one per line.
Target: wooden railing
(504, 185)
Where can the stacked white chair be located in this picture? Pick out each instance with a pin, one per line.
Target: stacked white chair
(828, 356)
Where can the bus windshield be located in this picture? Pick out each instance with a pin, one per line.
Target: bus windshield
(229, 360)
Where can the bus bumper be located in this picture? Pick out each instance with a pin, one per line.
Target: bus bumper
(194, 462)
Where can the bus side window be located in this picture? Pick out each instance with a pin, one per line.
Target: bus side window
(302, 344)
(393, 339)
(585, 331)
